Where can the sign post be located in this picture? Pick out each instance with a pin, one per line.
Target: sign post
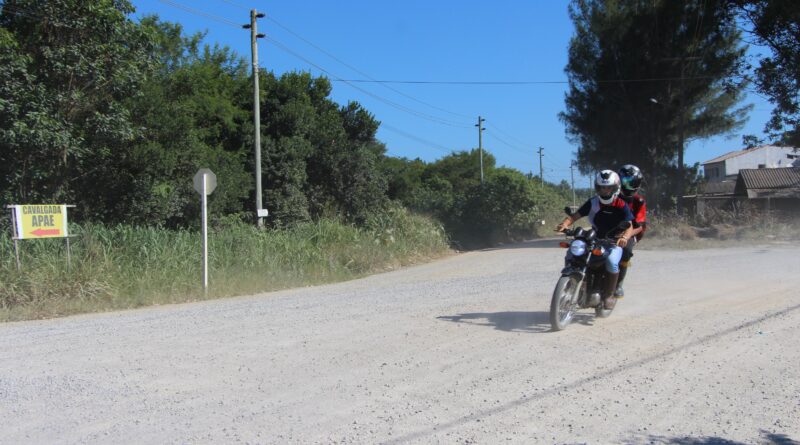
(205, 181)
(37, 222)
(14, 237)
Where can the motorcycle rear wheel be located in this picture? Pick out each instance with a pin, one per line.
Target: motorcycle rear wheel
(562, 306)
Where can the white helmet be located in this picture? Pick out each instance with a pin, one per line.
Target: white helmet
(606, 184)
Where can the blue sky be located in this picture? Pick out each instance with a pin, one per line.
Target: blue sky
(440, 41)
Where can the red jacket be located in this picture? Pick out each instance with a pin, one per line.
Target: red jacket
(639, 209)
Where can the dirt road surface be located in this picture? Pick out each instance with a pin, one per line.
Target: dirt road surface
(704, 349)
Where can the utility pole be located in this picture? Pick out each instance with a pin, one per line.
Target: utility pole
(541, 169)
(480, 142)
(572, 177)
(254, 36)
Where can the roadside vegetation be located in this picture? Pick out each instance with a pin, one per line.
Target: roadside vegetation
(120, 267)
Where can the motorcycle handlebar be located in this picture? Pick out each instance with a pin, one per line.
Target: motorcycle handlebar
(570, 232)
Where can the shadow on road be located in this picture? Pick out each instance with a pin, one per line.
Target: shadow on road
(514, 321)
(767, 439)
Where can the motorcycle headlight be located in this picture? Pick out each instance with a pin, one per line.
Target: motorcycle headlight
(577, 248)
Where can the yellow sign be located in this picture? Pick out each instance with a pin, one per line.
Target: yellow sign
(40, 221)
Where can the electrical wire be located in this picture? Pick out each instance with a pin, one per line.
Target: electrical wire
(312, 44)
(496, 128)
(320, 68)
(332, 56)
(519, 82)
(235, 4)
(375, 96)
(502, 141)
(439, 147)
(201, 13)
(29, 13)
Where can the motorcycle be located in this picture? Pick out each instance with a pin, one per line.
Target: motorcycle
(582, 278)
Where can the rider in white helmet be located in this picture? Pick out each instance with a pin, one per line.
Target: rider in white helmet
(609, 215)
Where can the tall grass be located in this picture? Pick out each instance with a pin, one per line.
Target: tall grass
(125, 267)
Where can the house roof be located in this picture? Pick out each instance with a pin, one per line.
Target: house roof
(726, 156)
(733, 154)
(763, 182)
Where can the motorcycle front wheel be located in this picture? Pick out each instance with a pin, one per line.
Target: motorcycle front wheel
(562, 306)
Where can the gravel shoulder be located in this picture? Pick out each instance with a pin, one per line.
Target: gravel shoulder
(704, 346)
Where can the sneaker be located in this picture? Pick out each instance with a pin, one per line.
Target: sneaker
(609, 303)
(619, 293)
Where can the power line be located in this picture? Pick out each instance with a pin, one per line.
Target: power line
(17, 10)
(29, 13)
(497, 138)
(306, 60)
(228, 22)
(555, 165)
(520, 82)
(318, 48)
(375, 96)
(201, 13)
(235, 4)
(327, 53)
(416, 138)
(508, 135)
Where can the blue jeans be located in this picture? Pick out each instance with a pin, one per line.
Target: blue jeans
(612, 256)
(612, 259)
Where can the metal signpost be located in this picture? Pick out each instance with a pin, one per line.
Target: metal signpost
(205, 181)
(37, 222)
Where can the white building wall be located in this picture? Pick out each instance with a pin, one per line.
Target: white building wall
(768, 157)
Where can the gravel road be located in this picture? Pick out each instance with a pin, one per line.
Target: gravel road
(703, 350)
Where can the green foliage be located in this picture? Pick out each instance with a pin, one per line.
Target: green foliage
(776, 25)
(507, 206)
(62, 88)
(503, 208)
(617, 116)
(320, 159)
(190, 118)
(404, 176)
(116, 117)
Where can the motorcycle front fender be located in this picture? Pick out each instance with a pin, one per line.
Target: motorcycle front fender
(577, 272)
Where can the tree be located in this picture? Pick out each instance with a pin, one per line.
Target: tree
(320, 159)
(68, 68)
(647, 76)
(404, 176)
(776, 25)
(461, 169)
(190, 116)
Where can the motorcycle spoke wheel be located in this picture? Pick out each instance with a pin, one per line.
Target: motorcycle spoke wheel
(562, 305)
